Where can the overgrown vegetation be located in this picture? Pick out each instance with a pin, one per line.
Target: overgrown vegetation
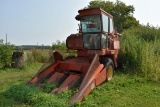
(48, 87)
(140, 52)
(37, 55)
(59, 45)
(5, 54)
(123, 90)
(31, 56)
(35, 97)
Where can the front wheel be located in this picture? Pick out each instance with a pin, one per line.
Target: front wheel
(108, 64)
(109, 69)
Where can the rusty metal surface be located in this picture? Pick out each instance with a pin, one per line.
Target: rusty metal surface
(57, 56)
(92, 11)
(77, 64)
(88, 83)
(57, 77)
(41, 76)
(101, 77)
(74, 41)
(95, 63)
(68, 83)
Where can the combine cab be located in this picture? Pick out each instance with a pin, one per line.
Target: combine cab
(97, 48)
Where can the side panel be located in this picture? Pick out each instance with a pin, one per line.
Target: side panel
(42, 75)
(87, 85)
(101, 77)
(74, 41)
(90, 87)
(116, 45)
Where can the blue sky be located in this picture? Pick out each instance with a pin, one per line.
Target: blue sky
(28, 22)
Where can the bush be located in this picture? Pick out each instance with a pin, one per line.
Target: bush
(140, 52)
(58, 45)
(37, 55)
(5, 54)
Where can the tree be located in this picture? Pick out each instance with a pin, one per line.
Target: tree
(5, 54)
(122, 14)
(58, 45)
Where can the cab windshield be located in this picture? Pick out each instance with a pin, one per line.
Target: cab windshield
(91, 23)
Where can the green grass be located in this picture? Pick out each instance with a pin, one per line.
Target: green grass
(11, 76)
(126, 91)
(122, 91)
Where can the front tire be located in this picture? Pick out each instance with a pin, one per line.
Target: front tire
(110, 70)
(108, 64)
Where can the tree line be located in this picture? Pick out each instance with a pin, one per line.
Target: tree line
(28, 47)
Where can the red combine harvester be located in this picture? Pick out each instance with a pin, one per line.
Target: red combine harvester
(97, 48)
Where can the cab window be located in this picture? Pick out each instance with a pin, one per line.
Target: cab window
(111, 25)
(103, 41)
(105, 23)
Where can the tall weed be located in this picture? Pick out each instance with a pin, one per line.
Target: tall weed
(37, 55)
(140, 52)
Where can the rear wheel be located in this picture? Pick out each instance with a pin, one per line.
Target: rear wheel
(108, 64)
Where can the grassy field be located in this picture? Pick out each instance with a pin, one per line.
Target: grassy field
(122, 91)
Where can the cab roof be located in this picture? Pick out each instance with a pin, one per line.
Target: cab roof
(92, 11)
